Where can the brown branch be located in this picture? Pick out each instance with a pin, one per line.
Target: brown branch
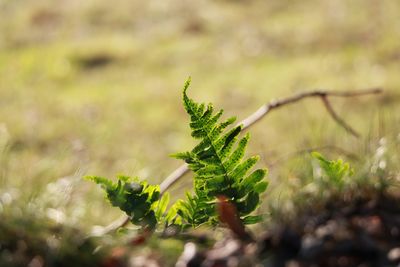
(171, 179)
(336, 117)
(265, 109)
(255, 117)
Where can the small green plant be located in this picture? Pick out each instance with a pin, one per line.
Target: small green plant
(219, 170)
(139, 200)
(334, 171)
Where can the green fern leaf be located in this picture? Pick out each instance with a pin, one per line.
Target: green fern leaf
(252, 219)
(218, 164)
(335, 170)
(139, 200)
(161, 206)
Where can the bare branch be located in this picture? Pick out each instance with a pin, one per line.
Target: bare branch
(258, 115)
(275, 104)
(167, 182)
(336, 117)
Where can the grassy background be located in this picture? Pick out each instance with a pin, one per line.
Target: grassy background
(94, 87)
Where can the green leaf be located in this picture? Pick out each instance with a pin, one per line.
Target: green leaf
(103, 182)
(224, 140)
(249, 204)
(261, 187)
(162, 206)
(335, 170)
(218, 171)
(251, 219)
(211, 170)
(243, 168)
(254, 178)
(182, 155)
(238, 154)
(137, 199)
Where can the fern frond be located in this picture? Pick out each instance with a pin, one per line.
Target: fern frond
(218, 170)
(139, 200)
(335, 170)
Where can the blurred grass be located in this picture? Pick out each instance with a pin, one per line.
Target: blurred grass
(95, 88)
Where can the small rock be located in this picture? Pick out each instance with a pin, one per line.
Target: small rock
(190, 256)
(394, 254)
(311, 247)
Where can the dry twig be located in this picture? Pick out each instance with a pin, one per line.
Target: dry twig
(255, 117)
